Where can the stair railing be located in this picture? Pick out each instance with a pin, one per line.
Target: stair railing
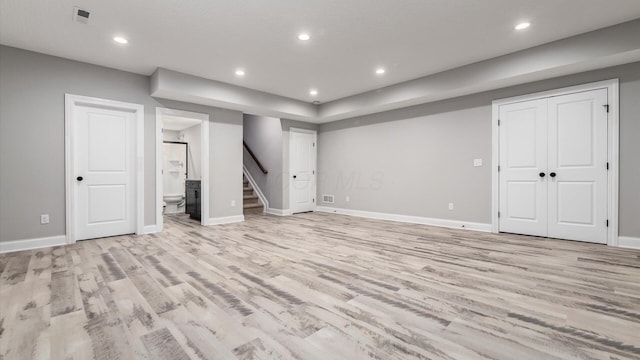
(253, 156)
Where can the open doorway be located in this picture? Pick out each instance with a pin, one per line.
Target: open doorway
(182, 159)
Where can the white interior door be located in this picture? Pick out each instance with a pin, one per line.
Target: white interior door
(523, 157)
(104, 166)
(578, 159)
(302, 166)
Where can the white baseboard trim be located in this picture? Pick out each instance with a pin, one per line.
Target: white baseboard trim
(454, 224)
(629, 242)
(278, 212)
(150, 229)
(225, 220)
(255, 187)
(30, 244)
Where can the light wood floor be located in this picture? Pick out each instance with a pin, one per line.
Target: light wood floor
(320, 286)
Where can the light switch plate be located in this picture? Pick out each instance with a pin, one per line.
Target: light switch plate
(477, 162)
(44, 219)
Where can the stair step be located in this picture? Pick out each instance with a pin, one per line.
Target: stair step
(252, 206)
(252, 211)
(251, 203)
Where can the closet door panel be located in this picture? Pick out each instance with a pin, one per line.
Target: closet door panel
(577, 155)
(523, 158)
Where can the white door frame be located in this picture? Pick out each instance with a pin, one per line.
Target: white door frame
(71, 102)
(315, 164)
(204, 162)
(613, 137)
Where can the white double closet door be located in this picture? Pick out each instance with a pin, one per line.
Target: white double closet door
(553, 167)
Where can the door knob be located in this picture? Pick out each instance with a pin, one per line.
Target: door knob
(295, 176)
(542, 174)
(79, 178)
(552, 174)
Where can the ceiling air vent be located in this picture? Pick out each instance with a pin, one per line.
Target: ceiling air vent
(81, 15)
(327, 199)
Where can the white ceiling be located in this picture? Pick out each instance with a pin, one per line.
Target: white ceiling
(177, 123)
(350, 38)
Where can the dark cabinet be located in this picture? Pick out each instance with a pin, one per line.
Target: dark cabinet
(193, 198)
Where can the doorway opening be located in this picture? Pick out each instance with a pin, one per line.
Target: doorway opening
(182, 158)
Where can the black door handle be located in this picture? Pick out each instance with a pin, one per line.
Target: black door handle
(79, 178)
(552, 174)
(542, 174)
(294, 176)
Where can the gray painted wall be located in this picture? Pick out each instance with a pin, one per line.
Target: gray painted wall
(32, 88)
(268, 138)
(415, 160)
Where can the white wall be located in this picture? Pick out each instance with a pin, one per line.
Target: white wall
(192, 136)
(171, 135)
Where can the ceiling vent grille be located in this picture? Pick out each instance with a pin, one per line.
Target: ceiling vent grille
(327, 199)
(81, 15)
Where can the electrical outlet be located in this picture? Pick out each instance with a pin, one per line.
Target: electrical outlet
(347, 199)
(450, 206)
(477, 162)
(44, 219)
(233, 203)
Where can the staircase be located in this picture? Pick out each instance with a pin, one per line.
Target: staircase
(250, 202)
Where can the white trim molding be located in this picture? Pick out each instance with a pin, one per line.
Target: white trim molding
(31, 244)
(255, 187)
(224, 220)
(150, 229)
(71, 102)
(204, 161)
(447, 223)
(278, 212)
(612, 148)
(629, 242)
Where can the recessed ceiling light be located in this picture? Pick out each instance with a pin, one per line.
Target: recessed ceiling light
(240, 72)
(304, 37)
(313, 92)
(120, 40)
(522, 26)
(380, 71)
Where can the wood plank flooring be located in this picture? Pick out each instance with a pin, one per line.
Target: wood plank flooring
(320, 286)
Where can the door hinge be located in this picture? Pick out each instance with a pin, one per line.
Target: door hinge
(314, 172)
(498, 168)
(314, 144)
(498, 214)
(314, 200)
(606, 107)
(498, 122)
(607, 222)
(607, 165)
